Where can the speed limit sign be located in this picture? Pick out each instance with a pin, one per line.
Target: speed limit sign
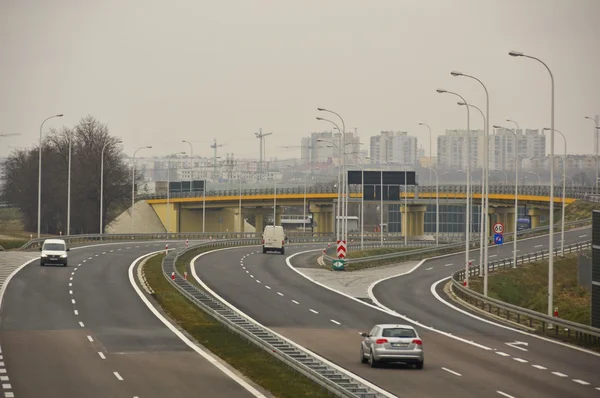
(498, 228)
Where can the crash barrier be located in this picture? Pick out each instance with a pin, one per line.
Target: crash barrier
(329, 377)
(586, 334)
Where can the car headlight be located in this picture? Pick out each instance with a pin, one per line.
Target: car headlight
(63, 256)
(44, 255)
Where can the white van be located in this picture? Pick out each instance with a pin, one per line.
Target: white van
(54, 251)
(273, 239)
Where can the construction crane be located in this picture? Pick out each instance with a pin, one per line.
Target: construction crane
(261, 137)
(215, 146)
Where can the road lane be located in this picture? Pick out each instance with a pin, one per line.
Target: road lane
(223, 272)
(85, 329)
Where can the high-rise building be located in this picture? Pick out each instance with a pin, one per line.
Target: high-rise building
(452, 150)
(323, 148)
(396, 148)
(531, 144)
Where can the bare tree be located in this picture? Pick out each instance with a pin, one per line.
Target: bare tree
(88, 138)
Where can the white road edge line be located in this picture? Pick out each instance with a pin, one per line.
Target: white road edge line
(211, 359)
(451, 371)
(378, 306)
(437, 296)
(505, 394)
(233, 308)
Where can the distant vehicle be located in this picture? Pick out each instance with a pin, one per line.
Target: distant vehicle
(54, 251)
(274, 239)
(392, 343)
(523, 223)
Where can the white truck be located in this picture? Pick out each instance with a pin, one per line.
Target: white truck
(273, 239)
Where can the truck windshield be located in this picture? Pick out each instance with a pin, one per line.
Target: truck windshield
(54, 246)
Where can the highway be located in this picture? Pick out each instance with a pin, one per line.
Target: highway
(329, 324)
(83, 331)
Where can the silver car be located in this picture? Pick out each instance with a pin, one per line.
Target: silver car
(392, 343)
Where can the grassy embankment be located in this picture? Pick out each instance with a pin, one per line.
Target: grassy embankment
(253, 362)
(12, 234)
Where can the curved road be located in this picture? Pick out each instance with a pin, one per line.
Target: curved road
(83, 331)
(328, 323)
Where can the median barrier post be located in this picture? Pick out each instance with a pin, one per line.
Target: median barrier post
(185, 275)
(173, 275)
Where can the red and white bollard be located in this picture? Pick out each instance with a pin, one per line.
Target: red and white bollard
(173, 275)
(556, 312)
(329, 245)
(185, 275)
(465, 283)
(186, 243)
(166, 248)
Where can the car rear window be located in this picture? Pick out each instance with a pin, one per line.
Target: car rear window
(54, 246)
(398, 332)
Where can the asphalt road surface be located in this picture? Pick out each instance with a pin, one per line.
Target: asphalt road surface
(265, 288)
(82, 331)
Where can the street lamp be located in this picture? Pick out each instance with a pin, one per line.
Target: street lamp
(485, 176)
(596, 139)
(39, 218)
(468, 218)
(437, 206)
(564, 184)
(516, 148)
(102, 182)
(339, 183)
(344, 176)
(516, 197)
(430, 155)
(133, 187)
(551, 236)
(538, 176)
(169, 189)
(191, 163)
(482, 216)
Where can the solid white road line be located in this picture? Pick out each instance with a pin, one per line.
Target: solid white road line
(101, 354)
(451, 371)
(505, 394)
(211, 359)
(118, 376)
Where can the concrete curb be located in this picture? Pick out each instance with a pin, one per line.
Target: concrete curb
(450, 292)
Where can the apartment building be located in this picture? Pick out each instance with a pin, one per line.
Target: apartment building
(452, 150)
(530, 144)
(397, 148)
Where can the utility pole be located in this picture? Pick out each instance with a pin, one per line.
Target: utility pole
(261, 137)
(215, 146)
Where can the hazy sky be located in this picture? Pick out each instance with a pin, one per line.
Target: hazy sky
(158, 72)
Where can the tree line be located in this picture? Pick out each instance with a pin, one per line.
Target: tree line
(88, 138)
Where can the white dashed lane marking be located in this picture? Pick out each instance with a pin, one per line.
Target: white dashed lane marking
(313, 311)
(90, 339)
(295, 302)
(334, 321)
(559, 374)
(81, 324)
(117, 375)
(505, 394)
(279, 293)
(451, 371)
(585, 383)
(539, 367)
(520, 360)
(268, 287)
(101, 354)
(502, 354)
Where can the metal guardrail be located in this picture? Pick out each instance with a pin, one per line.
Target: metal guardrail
(335, 381)
(533, 319)
(543, 190)
(444, 247)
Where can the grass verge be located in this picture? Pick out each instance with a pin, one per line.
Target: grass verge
(253, 362)
(527, 287)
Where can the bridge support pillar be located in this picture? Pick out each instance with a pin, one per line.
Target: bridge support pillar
(322, 218)
(534, 214)
(239, 220)
(413, 219)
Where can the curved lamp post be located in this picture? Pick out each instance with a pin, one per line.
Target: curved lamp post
(39, 217)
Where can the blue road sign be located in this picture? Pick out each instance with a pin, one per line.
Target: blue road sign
(498, 239)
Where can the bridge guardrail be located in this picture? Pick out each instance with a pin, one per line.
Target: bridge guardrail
(534, 190)
(333, 380)
(474, 243)
(511, 312)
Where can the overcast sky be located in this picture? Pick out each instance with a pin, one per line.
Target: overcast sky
(158, 72)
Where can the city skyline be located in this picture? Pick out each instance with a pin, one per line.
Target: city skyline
(229, 76)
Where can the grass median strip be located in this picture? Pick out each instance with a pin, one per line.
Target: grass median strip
(253, 362)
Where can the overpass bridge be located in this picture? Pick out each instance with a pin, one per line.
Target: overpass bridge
(221, 207)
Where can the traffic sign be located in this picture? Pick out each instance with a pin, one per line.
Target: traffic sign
(499, 228)
(341, 248)
(498, 239)
(338, 265)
